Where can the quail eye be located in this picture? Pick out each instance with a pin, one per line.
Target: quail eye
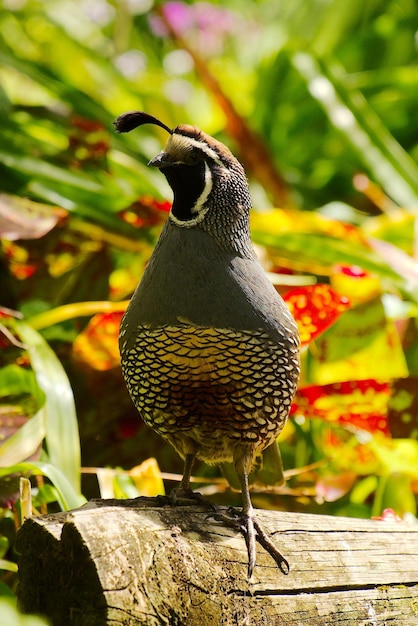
(191, 159)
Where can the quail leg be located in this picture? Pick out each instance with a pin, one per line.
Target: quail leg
(253, 531)
(183, 494)
(247, 524)
(184, 490)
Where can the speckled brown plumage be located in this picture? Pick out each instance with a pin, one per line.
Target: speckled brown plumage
(207, 390)
(209, 349)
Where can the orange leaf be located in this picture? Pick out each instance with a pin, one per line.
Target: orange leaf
(146, 212)
(97, 345)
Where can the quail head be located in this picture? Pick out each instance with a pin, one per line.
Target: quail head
(210, 352)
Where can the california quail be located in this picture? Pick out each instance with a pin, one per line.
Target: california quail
(209, 349)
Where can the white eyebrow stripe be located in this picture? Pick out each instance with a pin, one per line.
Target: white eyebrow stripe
(206, 191)
(182, 141)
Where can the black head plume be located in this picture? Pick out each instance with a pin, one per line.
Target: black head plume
(130, 120)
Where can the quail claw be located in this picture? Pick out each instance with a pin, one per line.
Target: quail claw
(248, 526)
(185, 497)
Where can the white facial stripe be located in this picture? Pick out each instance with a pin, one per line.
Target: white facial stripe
(206, 191)
(180, 143)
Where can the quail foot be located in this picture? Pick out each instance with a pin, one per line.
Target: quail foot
(209, 350)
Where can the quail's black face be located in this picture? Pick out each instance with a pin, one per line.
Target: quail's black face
(188, 183)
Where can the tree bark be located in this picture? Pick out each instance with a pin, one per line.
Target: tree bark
(137, 562)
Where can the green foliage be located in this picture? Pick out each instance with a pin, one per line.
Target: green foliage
(318, 99)
(11, 617)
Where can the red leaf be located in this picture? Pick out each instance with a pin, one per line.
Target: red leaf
(361, 404)
(315, 308)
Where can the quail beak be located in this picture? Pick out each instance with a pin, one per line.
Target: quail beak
(161, 160)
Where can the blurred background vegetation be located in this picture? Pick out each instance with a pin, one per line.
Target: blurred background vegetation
(318, 99)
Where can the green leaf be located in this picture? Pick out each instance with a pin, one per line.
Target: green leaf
(68, 497)
(10, 616)
(395, 492)
(5, 592)
(397, 456)
(361, 345)
(4, 546)
(8, 565)
(62, 437)
(17, 381)
(24, 442)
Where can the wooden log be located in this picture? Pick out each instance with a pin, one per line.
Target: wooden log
(135, 562)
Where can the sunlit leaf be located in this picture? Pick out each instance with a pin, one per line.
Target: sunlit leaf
(124, 486)
(8, 565)
(315, 308)
(355, 283)
(279, 221)
(350, 451)
(363, 489)
(396, 227)
(405, 265)
(147, 478)
(396, 455)
(68, 498)
(24, 442)
(361, 345)
(318, 246)
(76, 309)
(358, 404)
(106, 480)
(61, 420)
(97, 345)
(20, 218)
(12, 617)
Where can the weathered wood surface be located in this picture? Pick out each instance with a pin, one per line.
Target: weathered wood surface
(132, 562)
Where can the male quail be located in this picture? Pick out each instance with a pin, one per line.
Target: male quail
(209, 349)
